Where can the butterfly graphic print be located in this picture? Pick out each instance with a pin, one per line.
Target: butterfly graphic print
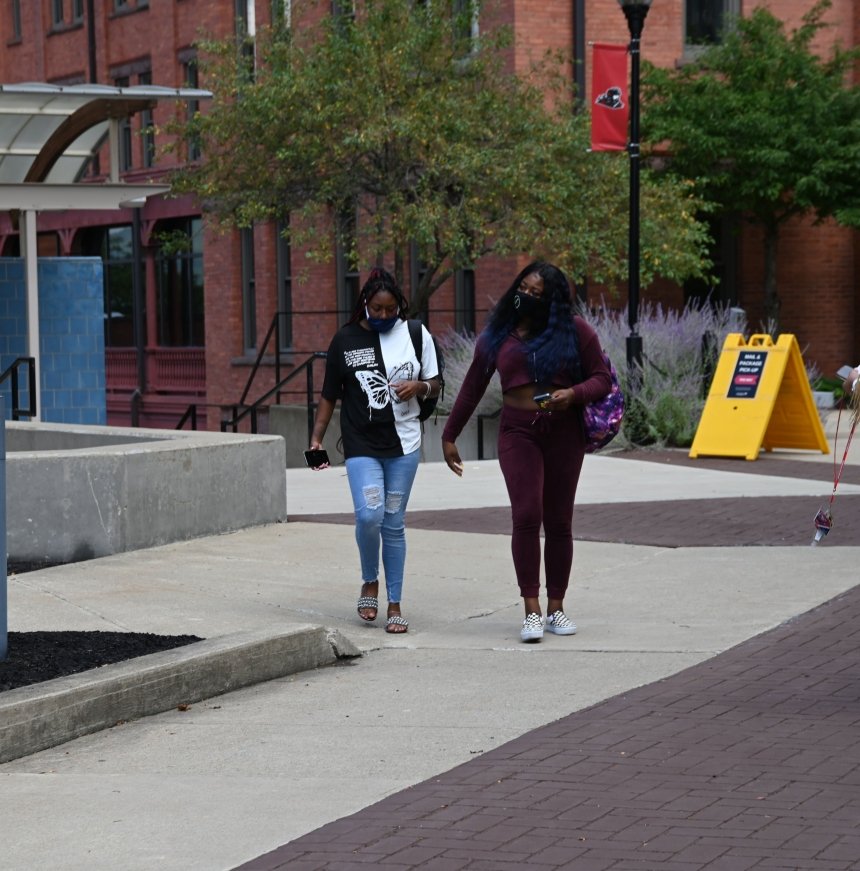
(378, 389)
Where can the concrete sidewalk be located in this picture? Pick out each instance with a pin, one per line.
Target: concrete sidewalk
(239, 775)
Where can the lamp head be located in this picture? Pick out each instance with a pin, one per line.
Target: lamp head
(635, 12)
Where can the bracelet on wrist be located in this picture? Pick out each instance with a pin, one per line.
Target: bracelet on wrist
(429, 387)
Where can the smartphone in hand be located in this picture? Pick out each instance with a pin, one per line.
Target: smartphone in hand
(317, 459)
(844, 371)
(542, 398)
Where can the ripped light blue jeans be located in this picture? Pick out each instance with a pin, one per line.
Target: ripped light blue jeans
(380, 491)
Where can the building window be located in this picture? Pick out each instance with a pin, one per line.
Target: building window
(246, 29)
(77, 11)
(417, 271)
(249, 290)
(464, 300)
(57, 16)
(129, 5)
(465, 26)
(343, 9)
(347, 275)
(246, 19)
(285, 286)
(124, 131)
(115, 247)
(147, 129)
(705, 21)
(192, 80)
(179, 271)
(282, 13)
(16, 20)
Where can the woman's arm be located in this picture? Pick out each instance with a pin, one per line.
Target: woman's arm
(471, 391)
(325, 410)
(597, 381)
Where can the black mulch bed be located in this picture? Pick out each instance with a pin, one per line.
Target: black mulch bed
(33, 657)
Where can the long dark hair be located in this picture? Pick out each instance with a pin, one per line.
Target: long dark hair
(378, 280)
(552, 345)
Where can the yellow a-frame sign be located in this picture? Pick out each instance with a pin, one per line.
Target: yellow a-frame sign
(760, 398)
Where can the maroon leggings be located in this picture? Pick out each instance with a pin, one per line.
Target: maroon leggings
(541, 457)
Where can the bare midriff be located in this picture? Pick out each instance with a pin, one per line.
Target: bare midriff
(523, 396)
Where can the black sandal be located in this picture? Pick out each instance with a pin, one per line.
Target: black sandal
(365, 603)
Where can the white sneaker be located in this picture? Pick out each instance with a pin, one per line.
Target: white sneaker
(560, 624)
(532, 628)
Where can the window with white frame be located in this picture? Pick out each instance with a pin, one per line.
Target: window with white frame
(282, 13)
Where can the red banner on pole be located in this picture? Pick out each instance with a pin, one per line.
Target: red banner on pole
(609, 109)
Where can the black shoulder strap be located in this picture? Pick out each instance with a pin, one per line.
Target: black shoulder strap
(417, 336)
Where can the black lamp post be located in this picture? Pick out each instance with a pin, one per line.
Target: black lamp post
(635, 12)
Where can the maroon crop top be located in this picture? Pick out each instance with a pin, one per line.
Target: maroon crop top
(514, 371)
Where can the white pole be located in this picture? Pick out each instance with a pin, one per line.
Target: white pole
(31, 269)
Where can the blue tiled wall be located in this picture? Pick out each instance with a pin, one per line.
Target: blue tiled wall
(71, 324)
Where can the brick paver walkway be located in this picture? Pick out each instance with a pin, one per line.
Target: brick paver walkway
(750, 760)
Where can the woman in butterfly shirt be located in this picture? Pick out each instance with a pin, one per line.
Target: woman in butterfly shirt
(372, 369)
(539, 348)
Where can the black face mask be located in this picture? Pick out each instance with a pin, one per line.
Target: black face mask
(529, 306)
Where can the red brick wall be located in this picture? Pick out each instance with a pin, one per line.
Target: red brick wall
(817, 269)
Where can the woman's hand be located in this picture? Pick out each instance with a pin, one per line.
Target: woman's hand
(406, 390)
(452, 458)
(561, 399)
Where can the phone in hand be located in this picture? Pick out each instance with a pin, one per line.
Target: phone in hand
(317, 459)
(542, 398)
(844, 371)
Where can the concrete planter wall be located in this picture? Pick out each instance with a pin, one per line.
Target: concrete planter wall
(79, 492)
(291, 423)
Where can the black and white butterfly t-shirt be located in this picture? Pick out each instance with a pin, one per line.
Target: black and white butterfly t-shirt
(361, 368)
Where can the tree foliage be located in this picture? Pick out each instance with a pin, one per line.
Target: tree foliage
(403, 115)
(765, 127)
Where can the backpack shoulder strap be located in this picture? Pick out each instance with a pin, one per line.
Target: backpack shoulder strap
(417, 336)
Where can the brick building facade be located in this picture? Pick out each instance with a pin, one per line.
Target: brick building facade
(208, 308)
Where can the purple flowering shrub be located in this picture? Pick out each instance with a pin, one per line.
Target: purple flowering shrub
(675, 374)
(680, 349)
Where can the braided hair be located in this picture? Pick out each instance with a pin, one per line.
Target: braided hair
(378, 280)
(552, 345)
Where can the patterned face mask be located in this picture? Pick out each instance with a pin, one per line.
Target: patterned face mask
(528, 305)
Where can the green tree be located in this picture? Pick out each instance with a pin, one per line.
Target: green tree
(764, 127)
(405, 116)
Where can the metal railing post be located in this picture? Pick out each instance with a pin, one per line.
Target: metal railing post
(16, 398)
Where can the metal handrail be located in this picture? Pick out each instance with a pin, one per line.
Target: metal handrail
(11, 374)
(274, 327)
(252, 409)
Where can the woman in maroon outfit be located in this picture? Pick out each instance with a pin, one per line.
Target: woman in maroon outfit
(550, 365)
